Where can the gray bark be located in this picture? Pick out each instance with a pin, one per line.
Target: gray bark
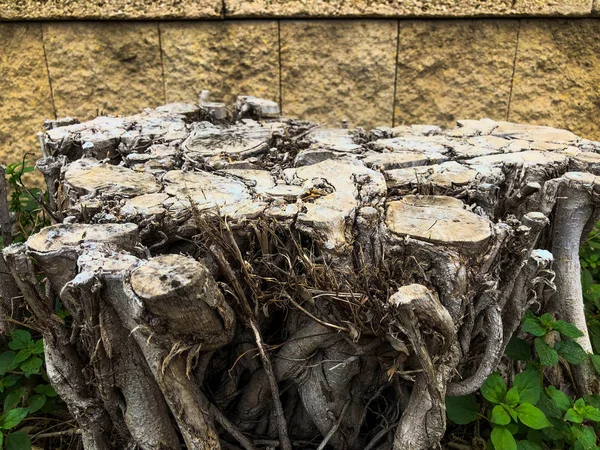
(263, 282)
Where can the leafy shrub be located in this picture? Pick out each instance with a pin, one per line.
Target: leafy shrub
(24, 387)
(528, 416)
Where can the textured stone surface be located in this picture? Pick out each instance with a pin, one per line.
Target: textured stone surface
(403, 8)
(227, 58)
(110, 67)
(449, 70)
(334, 70)
(114, 9)
(194, 9)
(25, 98)
(596, 7)
(557, 76)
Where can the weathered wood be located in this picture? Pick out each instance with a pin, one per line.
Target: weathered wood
(270, 280)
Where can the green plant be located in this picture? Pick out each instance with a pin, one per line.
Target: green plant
(553, 338)
(589, 256)
(24, 388)
(25, 202)
(527, 416)
(509, 412)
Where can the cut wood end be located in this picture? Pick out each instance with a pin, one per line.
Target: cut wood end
(89, 175)
(166, 274)
(406, 295)
(440, 220)
(57, 237)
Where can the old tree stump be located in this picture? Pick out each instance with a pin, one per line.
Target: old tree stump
(241, 280)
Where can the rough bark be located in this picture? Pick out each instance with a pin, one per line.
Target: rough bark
(261, 282)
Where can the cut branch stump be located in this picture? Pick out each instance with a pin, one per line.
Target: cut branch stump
(257, 282)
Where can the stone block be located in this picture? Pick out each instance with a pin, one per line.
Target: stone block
(557, 75)
(106, 67)
(25, 98)
(114, 9)
(227, 58)
(335, 70)
(449, 70)
(404, 8)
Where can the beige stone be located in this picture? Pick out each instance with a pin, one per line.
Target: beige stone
(111, 67)
(25, 99)
(113, 9)
(334, 70)
(557, 75)
(449, 70)
(403, 8)
(227, 58)
(596, 7)
(200, 9)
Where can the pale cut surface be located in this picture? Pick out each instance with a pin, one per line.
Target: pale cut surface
(56, 237)
(437, 219)
(165, 274)
(109, 180)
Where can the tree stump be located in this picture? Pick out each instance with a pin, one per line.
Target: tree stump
(248, 281)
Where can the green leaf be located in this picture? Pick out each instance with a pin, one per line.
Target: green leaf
(573, 416)
(547, 355)
(13, 418)
(567, 329)
(6, 359)
(593, 400)
(532, 416)
(533, 326)
(595, 362)
(20, 340)
(528, 385)
(503, 439)
(518, 349)
(547, 320)
(22, 356)
(13, 399)
(585, 436)
(494, 388)
(512, 397)
(500, 416)
(49, 391)
(594, 331)
(591, 413)
(512, 413)
(38, 348)
(559, 398)
(18, 441)
(1, 439)
(579, 405)
(513, 427)
(462, 410)
(571, 351)
(534, 436)
(32, 365)
(553, 434)
(35, 402)
(11, 380)
(528, 445)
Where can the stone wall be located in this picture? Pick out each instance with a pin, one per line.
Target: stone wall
(385, 63)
